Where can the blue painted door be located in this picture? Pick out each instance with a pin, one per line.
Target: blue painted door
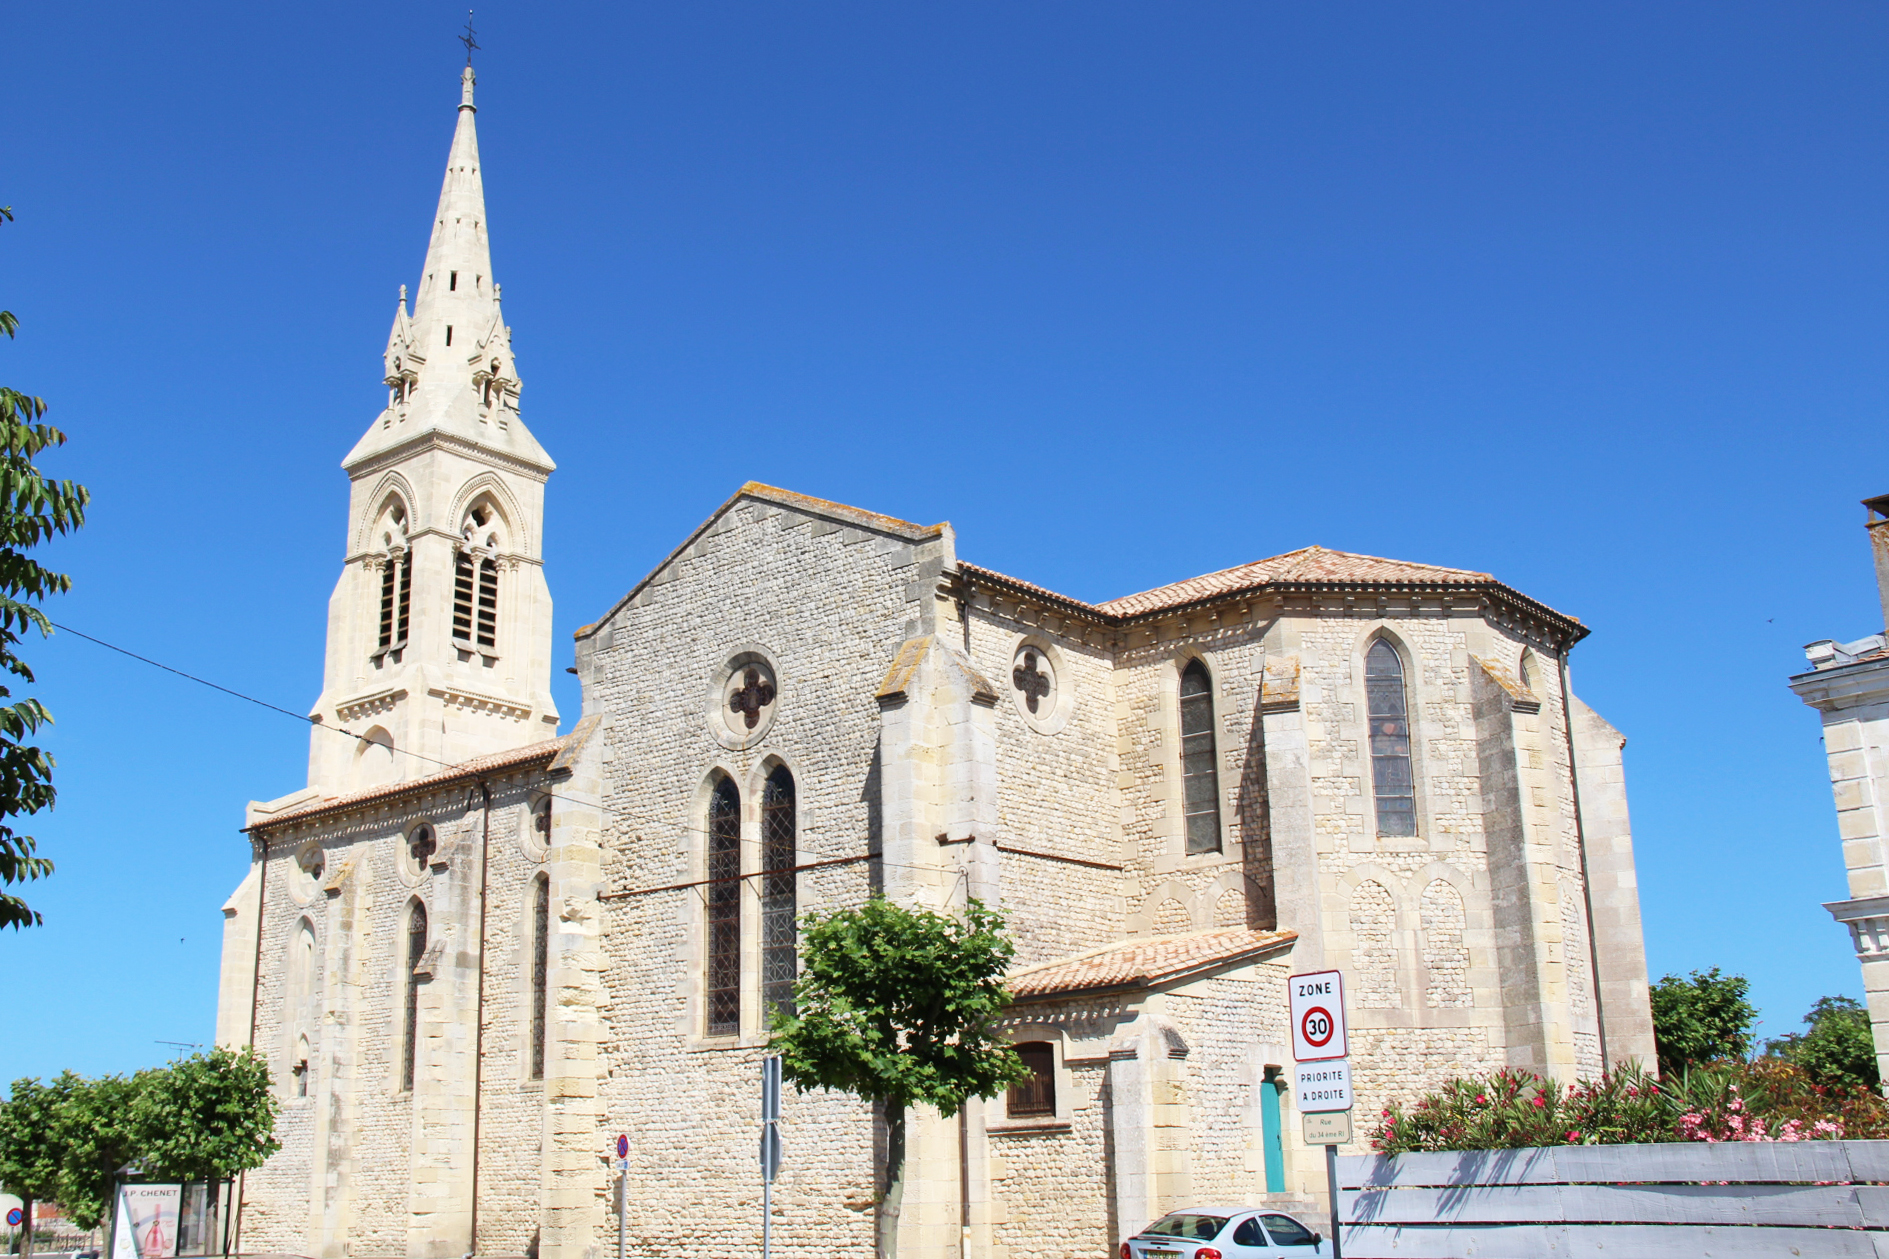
(1269, 1091)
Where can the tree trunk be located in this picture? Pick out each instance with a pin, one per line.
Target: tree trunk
(26, 1225)
(893, 1195)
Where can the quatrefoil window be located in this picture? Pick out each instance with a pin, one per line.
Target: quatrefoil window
(422, 845)
(744, 698)
(1032, 681)
(752, 697)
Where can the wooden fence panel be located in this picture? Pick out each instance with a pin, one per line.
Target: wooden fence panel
(1813, 1206)
(1618, 1241)
(1688, 1201)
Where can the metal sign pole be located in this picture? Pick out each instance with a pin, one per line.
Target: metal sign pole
(770, 1147)
(623, 1191)
(1331, 1181)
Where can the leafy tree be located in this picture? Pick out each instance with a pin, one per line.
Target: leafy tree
(32, 510)
(897, 1006)
(1702, 1019)
(1839, 1048)
(94, 1133)
(206, 1117)
(30, 1152)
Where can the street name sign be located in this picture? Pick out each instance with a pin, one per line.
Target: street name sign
(1328, 1127)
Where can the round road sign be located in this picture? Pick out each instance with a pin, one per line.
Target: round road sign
(14, 1217)
(1317, 1027)
(623, 1147)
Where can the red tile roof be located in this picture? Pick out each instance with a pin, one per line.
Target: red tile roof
(1145, 962)
(465, 771)
(1308, 564)
(1308, 567)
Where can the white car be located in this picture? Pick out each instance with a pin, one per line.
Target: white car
(1224, 1233)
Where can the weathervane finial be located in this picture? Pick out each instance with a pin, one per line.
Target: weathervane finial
(469, 38)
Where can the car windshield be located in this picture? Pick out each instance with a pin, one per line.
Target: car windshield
(1200, 1228)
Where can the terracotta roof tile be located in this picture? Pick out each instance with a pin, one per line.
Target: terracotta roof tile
(1308, 564)
(477, 767)
(1145, 962)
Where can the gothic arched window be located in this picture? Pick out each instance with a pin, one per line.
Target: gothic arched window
(540, 969)
(1392, 783)
(416, 949)
(1200, 770)
(475, 582)
(396, 581)
(723, 988)
(779, 952)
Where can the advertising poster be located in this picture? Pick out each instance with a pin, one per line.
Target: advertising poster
(145, 1226)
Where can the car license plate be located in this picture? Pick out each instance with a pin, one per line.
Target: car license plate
(1160, 1254)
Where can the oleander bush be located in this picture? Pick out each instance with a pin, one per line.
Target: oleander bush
(1767, 1100)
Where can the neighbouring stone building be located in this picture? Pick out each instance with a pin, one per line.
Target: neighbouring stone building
(476, 949)
(1848, 683)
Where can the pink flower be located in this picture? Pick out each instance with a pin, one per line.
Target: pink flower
(1539, 1102)
(1481, 1100)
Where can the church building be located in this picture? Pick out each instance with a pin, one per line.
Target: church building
(483, 941)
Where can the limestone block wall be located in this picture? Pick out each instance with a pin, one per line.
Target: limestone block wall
(827, 604)
(366, 1167)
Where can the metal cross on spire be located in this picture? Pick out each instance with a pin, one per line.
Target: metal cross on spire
(469, 38)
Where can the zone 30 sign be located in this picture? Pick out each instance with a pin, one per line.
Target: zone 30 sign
(1318, 1016)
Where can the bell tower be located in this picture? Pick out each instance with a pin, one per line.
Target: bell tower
(439, 630)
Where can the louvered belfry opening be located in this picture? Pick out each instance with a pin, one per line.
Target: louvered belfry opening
(416, 949)
(1200, 771)
(540, 970)
(779, 941)
(389, 589)
(462, 597)
(404, 604)
(1392, 783)
(723, 895)
(488, 605)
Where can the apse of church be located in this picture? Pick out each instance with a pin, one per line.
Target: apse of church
(474, 950)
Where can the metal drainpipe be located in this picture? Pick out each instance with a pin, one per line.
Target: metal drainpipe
(478, 1033)
(261, 841)
(1580, 842)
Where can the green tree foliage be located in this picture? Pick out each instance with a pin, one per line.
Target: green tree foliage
(1702, 1019)
(1839, 1048)
(32, 510)
(30, 1153)
(899, 1007)
(205, 1117)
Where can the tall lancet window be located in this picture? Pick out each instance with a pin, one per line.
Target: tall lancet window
(1200, 769)
(540, 969)
(416, 949)
(723, 988)
(475, 584)
(486, 628)
(396, 599)
(778, 895)
(1391, 780)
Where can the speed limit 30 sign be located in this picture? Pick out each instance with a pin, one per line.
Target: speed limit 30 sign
(1318, 1016)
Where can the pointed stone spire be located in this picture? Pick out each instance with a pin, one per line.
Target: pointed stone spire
(449, 366)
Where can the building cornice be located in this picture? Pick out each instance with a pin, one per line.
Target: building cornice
(437, 439)
(1844, 686)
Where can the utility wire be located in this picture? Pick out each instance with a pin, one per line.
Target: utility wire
(311, 721)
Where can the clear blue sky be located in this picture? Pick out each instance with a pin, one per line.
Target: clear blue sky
(1590, 296)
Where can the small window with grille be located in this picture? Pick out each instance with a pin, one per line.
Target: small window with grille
(1036, 1096)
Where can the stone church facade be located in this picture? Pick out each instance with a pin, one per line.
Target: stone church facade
(476, 949)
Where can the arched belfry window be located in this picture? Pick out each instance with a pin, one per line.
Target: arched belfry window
(1386, 702)
(1200, 769)
(540, 969)
(779, 954)
(475, 581)
(723, 895)
(416, 949)
(396, 582)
